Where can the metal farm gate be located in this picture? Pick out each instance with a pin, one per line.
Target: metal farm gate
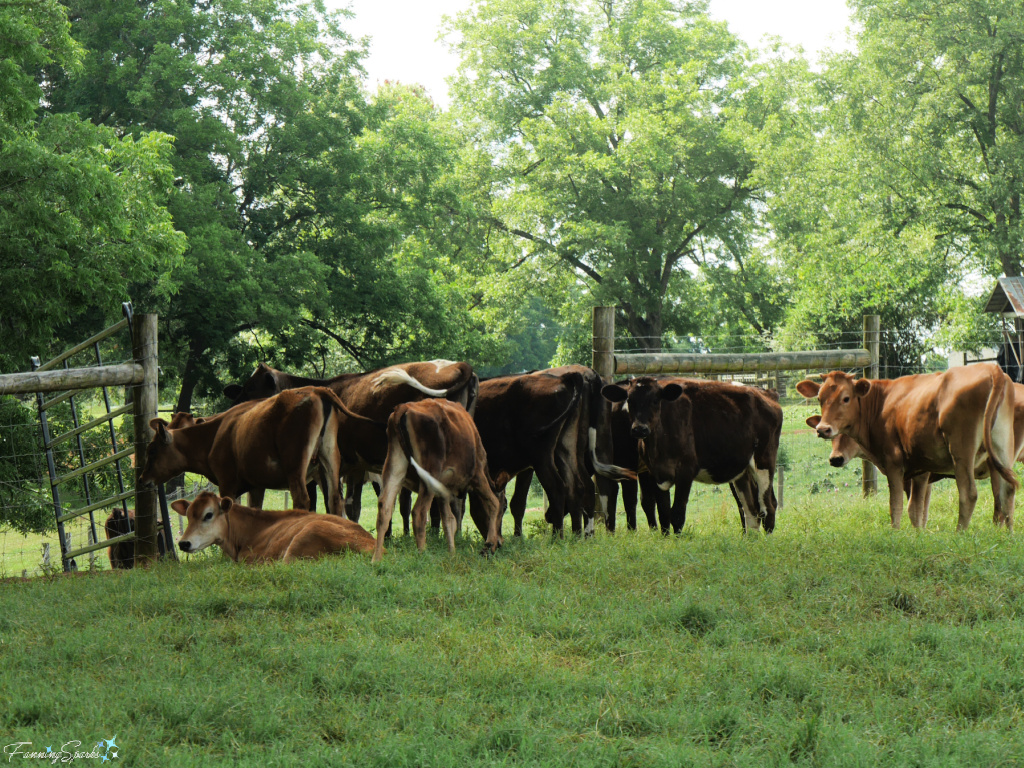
(139, 378)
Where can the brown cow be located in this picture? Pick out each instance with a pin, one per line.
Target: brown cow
(262, 444)
(434, 447)
(373, 394)
(949, 423)
(918, 488)
(256, 535)
(709, 432)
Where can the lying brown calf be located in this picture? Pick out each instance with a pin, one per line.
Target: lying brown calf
(435, 449)
(257, 535)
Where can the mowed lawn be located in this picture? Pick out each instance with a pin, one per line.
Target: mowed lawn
(836, 641)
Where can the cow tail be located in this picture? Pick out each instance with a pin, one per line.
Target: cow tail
(436, 486)
(557, 421)
(339, 404)
(995, 397)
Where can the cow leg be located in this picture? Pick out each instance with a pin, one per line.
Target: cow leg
(405, 509)
(354, 495)
(311, 492)
(679, 504)
(1004, 495)
(555, 488)
(589, 505)
(895, 480)
(395, 468)
(917, 505)
(448, 523)
(436, 513)
(610, 498)
(256, 497)
(649, 502)
(517, 504)
(420, 512)
(479, 512)
(739, 503)
(481, 494)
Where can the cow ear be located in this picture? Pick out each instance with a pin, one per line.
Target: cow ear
(226, 502)
(613, 393)
(180, 506)
(233, 391)
(671, 392)
(808, 388)
(814, 421)
(160, 427)
(861, 387)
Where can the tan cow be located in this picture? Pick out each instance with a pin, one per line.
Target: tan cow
(260, 444)
(435, 449)
(257, 535)
(845, 449)
(950, 423)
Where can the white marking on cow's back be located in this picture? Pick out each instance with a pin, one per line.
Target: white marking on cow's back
(398, 376)
(439, 364)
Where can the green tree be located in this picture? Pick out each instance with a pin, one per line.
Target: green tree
(81, 207)
(621, 135)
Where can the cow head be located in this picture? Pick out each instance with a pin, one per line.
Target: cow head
(262, 384)
(643, 398)
(163, 459)
(839, 395)
(844, 448)
(207, 521)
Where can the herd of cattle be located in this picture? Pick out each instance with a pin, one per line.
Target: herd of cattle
(437, 429)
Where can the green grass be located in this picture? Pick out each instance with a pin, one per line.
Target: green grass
(836, 641)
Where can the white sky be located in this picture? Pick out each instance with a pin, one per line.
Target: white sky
(404, 43)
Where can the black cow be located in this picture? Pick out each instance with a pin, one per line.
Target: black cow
(709, 432)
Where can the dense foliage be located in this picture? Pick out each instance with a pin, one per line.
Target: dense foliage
(225, 166)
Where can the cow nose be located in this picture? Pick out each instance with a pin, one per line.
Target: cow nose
(640, 431)
(836, 461)
(185, 546)
(824, 431)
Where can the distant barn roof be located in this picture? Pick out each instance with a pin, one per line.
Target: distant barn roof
(1007, 297)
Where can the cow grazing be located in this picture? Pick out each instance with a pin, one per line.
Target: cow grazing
(261, 444)
(434, 447)
(375, 395)
(253, 535)
(918, 488)
(122, 554)
(709, 432)
(959, 422)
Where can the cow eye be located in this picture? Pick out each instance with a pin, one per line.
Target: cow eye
(846, 399)
(208, 516)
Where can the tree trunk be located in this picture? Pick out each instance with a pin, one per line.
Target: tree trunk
(645, 330)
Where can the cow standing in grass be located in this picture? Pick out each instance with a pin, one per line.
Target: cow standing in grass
(251, 535)
(434, 447)
(708, 432)
(958, 423)
(262, 444)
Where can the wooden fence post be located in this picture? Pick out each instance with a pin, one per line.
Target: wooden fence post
(144, 400)
(872, 331)
(604, 342)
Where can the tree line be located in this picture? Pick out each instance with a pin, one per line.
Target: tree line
(225, 166)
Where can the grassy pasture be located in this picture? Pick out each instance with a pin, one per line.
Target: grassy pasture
(836, 641)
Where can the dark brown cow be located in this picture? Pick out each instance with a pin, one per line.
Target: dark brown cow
(521, 419)
(709, 432)
(262, 444)
(434, 448)
(254, 535)
(949, 423)
(918, 487)
(122, 554)
(626, 453)
(374, 394)
(585, 441)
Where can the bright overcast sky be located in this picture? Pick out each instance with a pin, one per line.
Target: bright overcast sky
(404, 43)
